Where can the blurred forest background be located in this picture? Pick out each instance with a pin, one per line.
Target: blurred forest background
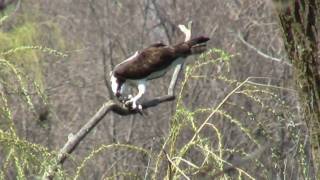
(237, 113)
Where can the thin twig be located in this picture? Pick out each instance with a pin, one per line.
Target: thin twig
(149, 161)
(163, 21)
(271, 86)
(175, 166)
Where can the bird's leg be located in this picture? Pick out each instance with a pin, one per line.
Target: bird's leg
(122, 90)
(142, 90)
(129, 97)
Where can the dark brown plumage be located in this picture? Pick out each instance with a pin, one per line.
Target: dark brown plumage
(157, 57)
(150, 63)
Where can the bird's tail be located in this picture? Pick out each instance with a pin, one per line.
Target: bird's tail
(198, 45)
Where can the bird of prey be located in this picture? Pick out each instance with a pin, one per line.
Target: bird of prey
(151, 63)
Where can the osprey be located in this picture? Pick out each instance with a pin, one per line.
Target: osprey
(151, 63)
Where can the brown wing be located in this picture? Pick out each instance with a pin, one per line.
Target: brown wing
(145, 63)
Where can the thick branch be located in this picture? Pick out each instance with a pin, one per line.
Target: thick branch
(110, 106)
(114, 106)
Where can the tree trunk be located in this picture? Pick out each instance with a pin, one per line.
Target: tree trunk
(299, 20)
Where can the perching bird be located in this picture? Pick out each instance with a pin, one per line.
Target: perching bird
(151, 63)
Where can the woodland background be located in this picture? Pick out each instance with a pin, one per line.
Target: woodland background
(55, 61)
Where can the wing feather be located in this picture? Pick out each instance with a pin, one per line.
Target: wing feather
(148, 61)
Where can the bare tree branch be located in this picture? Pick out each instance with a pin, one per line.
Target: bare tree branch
(111, 106)
(260, 52)
(163, 21)
(102, 49)
(174, 79)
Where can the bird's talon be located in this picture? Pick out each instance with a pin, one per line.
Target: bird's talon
(121, 99)
(127, 102)
(133, 105)
(130, 104)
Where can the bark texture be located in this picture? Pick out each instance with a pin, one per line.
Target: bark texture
(300, 22)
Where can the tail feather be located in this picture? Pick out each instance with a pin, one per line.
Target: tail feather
(194, 46)
(197, 45)
(197, 40)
